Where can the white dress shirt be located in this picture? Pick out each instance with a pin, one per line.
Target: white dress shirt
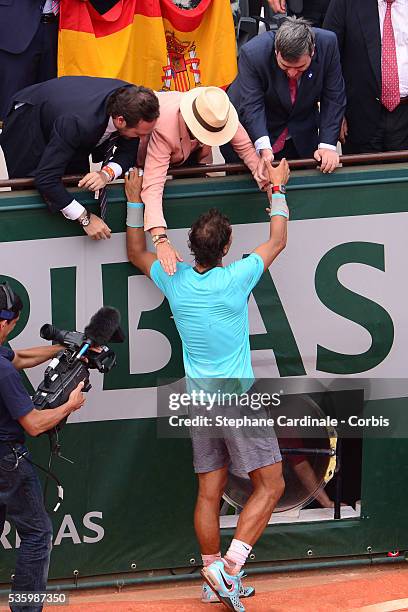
(75, 209)
(47, 6)
(399, 18)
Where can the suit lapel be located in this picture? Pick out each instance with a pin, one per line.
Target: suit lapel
(367, 13)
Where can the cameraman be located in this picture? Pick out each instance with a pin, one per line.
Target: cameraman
(21, 497)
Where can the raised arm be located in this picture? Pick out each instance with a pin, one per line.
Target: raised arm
(279, 215)
(137, 253)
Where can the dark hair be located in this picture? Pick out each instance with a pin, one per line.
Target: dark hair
(208, 237)
(134, 104)
(294, 38)
(16, 307)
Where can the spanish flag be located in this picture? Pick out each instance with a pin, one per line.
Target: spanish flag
(149, 42)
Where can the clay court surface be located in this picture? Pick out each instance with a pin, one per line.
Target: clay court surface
(371, 589)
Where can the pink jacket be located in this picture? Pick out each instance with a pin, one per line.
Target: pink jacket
(171, 144)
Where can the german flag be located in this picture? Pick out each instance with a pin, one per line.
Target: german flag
(148, 42)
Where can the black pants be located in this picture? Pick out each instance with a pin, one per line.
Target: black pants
(391, 134)
(36, 64)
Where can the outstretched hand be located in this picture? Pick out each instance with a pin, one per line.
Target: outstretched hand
(278, 175)
(133, 184)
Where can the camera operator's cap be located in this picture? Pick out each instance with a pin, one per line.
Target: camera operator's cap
(5, 309)
(209, 115)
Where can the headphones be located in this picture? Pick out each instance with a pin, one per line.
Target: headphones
(7, 313)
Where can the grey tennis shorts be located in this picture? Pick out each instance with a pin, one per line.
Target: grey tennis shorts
(246, 449)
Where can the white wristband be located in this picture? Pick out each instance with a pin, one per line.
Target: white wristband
(278, 206)
(135, 214)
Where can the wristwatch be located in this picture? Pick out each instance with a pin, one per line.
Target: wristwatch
(279, 189)
(85, 218)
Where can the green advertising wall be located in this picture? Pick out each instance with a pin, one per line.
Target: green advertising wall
(334, 304)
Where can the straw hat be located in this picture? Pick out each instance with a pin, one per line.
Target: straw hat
(209, 115)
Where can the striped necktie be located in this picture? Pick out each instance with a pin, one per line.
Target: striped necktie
(390, 91)
(55, 6)
(103, 196)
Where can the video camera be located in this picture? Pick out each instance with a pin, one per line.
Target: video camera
(83, 351)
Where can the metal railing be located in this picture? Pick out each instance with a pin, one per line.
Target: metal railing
(193, 171)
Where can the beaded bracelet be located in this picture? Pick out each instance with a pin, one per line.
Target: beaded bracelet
(109, 172)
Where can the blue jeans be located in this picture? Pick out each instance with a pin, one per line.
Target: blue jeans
(21, 500)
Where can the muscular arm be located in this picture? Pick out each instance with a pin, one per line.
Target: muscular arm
(31, 357)
(36, 421)
(270, 249)
(137, 253)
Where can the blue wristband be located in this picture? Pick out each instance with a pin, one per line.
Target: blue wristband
(281, 213)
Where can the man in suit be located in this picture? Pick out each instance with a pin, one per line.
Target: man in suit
(373, 42)
(28, 45)
(190, 123)
(281, 79)
(53, 127)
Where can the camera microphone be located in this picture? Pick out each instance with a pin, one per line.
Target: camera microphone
(104, 327)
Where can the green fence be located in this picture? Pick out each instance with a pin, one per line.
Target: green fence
(334, 303)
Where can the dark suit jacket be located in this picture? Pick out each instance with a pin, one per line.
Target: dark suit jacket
(357, 26)
(19, 21)
(261, 95)
(69, 119)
